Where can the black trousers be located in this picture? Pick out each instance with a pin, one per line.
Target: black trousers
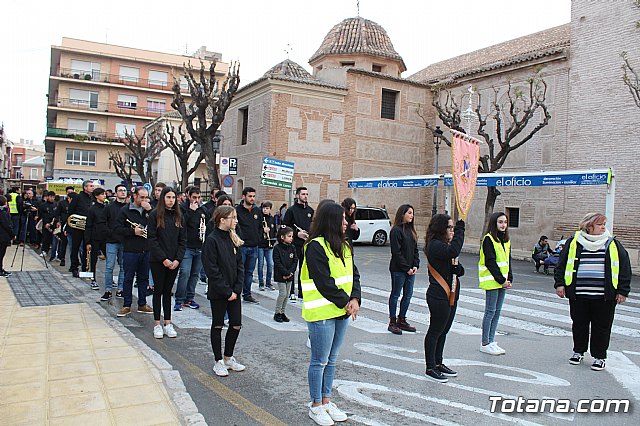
(597, 313)
(300, 254)
(99, 246)
(62, 246)
(163, 279)
(77, 245)
(47, 237)
(3, 251)
(218, 309)
(441, 318)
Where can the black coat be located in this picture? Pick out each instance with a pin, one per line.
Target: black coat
(111, 213)
(6, 230)
(271, 223)
(96, 228)
(439, 256)
(80, 204)
(351, 234)
(250, 225)
(222, 262)
(285, 262)
(298, 215)
(62, 212)
(47, 212)
(168, 242)
(131, 242)
(404, 249)
(192, 224)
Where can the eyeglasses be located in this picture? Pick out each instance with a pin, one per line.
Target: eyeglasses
(449, 226)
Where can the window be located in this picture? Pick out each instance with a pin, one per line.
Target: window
(388, 108)
(81, 157)
(362, 214)
(244, 124)
(159, 78)
(129, 74)
(122, 128)
(81, 126)
(19, 160)
(155, 105)
(376, 68)
(127, 101)
(347, 64)
(184, 85)
(513, 215)
(83, 98)
(377, 215)
(80, 69)
(33, 174)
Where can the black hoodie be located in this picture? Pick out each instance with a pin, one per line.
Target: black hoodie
(191, 220)
(298, 215)
(168, 242)
(222, 262)
(132, 243)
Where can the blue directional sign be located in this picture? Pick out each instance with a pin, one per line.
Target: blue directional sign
(147, 186)
(542, 179)
(393, 183)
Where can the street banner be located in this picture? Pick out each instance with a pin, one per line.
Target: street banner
(465, 156)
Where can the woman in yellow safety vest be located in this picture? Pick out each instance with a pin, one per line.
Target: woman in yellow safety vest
(594, 273)
(331, 294)
(495, 275)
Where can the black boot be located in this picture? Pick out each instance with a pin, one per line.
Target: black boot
(404, 325)
(393, 326)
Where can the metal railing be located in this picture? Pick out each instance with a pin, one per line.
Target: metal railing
(84, 105)
(82, 135)
(116, 79)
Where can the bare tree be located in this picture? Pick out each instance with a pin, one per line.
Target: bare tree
(630, 75)
(142, 152)
(182, 146)
(505, 127)
(205, 112)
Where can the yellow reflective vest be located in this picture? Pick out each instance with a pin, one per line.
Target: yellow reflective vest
(487, 281)
(315, 307)
(13, 205)
(570, 269)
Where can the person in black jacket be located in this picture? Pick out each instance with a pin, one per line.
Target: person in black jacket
(350, 208)
(403, 266)
(62, 214)
(251, 231)
(47, 213)
(115, 250)
(195, 220)
(223, 263)
(132, 227)
(443, 244)
(6, 233)
(95, 233)
(265, 247)
(285, 262)
(80, 206)
(167, 238)
(298, 217)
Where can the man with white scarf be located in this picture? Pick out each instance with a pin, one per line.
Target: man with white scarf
(594, 273)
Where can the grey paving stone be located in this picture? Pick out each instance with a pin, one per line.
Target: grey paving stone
(38, 288)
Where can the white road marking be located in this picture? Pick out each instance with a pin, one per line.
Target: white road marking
(352, 390)
(552, 295)
(191, 318)
(625, 372)
(505, 321)
(366, 421)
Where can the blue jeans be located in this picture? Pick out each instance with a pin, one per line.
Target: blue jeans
(265, 253)
(135, 264)
(492, 308)
(400, 282)
(54, 247)
(249, 257)
(115, 252)
(189, 274)
(326, 339)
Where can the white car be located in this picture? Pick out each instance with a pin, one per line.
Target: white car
(374, 225)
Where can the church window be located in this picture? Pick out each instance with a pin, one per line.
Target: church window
(513, 215)
(376, 68)
(388, 108)
(347, 64)
(243, 124)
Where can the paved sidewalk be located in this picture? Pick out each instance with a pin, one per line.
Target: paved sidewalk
(64, 364)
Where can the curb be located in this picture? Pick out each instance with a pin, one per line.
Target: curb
(187, 410)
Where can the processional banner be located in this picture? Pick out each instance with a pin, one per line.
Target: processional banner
(466, 156)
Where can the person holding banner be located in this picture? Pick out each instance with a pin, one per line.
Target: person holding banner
(496, 276)
(443, 244)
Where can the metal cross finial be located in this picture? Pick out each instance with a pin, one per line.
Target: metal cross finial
(288, 50)
(358, 7)
(468, 113)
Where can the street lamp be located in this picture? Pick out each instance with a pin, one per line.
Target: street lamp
(437, 140)
(215, 144)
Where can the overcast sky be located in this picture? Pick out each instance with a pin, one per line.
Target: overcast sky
(254, 32)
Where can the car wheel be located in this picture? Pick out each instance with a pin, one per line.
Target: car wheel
(379, 238)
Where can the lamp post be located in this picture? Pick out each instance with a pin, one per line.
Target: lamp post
(437, 140)
(215, 144)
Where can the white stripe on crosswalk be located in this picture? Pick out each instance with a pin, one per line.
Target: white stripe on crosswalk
(552, 295)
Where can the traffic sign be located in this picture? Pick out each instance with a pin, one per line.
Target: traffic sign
(227, 181)
(147, 186)
(224, 165)
(276, 173)
(233, 166)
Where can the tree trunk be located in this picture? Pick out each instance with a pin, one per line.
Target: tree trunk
(492, 195)
(184, 181)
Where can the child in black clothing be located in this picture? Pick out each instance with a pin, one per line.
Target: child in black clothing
(6, 233)
(285, 263)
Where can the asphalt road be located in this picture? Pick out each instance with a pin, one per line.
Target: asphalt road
(380, 377)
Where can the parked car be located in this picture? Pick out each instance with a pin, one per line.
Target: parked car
(374, 225)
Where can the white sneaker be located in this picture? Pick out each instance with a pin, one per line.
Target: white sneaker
(319, 415)
(157, 332)
(336, 414)
(170, 331)
(233, 364)
(489, 349)
(498, 348)
(308, 342)
(220, 369)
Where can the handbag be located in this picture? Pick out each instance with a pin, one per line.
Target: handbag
(450, 294)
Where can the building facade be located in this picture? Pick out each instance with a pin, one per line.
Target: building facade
(97, 92)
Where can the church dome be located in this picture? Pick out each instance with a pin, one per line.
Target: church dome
(358, 36)
(288, 69)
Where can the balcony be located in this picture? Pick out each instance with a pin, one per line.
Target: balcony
(117, 79)
(103, 107)
(82, 135)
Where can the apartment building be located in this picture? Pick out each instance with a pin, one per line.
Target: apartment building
(97, 92)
